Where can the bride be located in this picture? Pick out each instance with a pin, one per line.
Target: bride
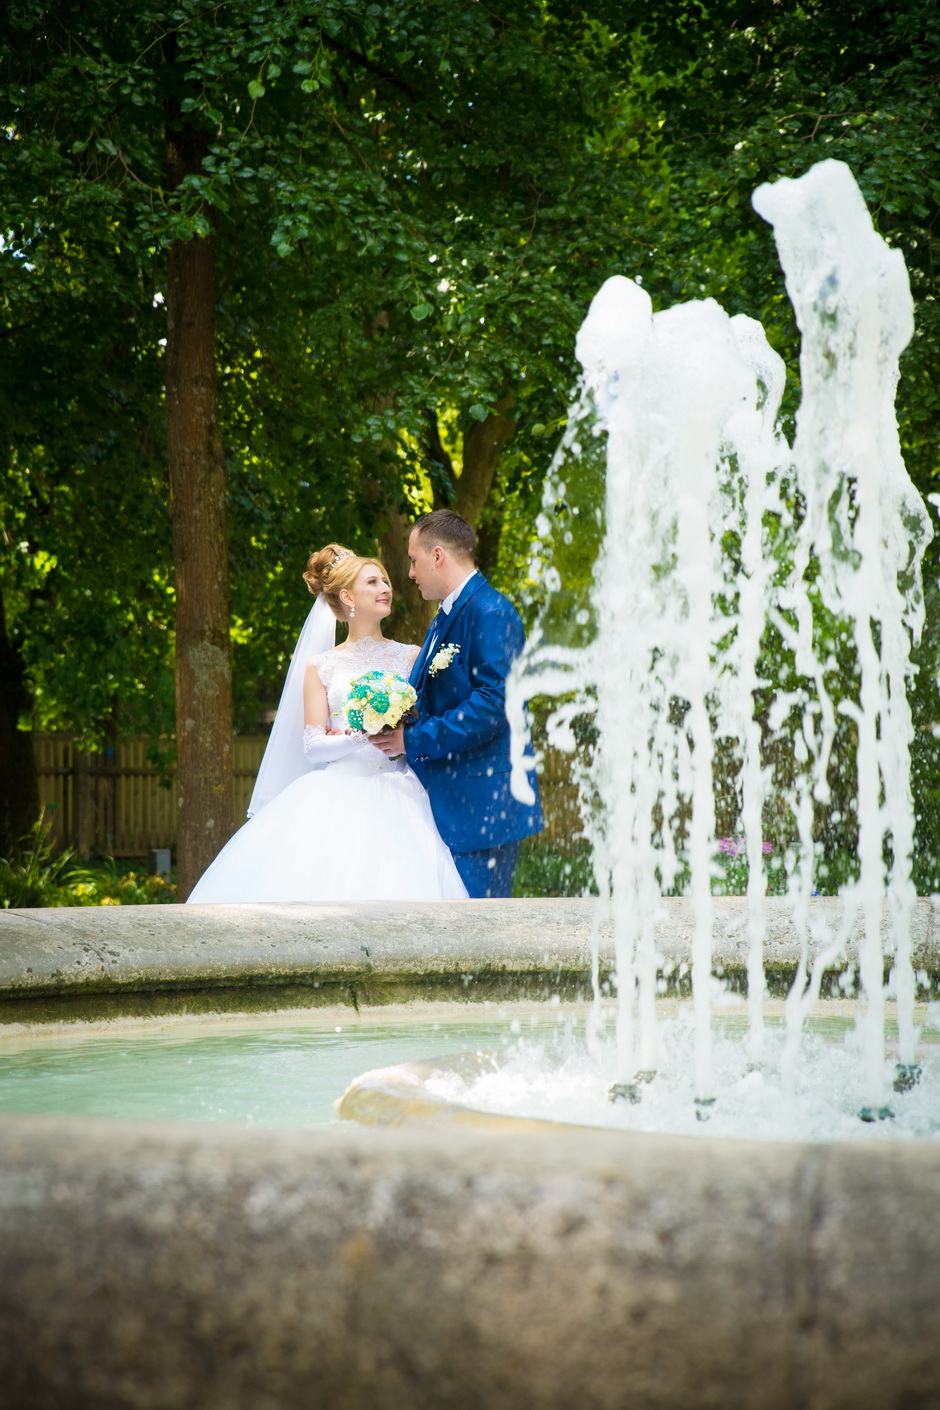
(331, 818)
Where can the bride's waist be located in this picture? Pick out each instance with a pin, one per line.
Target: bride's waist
(368, 760)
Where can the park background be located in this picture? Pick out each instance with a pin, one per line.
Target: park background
(279, 273)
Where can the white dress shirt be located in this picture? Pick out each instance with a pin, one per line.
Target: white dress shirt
(447, 603)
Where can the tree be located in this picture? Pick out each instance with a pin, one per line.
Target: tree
(197, 478)
(745, 95)
(387, 223)
(169, 134)
(86, 571)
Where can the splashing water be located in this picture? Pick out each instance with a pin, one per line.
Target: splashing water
(729, 620)
(564, 1079)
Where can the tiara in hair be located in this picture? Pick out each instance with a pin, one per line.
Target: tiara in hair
(345, 553)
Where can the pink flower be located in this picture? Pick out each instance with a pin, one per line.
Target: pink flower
(735, 846)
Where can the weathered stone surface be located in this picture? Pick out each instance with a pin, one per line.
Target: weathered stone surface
(146, 944)
(177, 1267)
(376, 946)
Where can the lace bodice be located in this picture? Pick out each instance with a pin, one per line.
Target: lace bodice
(339, 667)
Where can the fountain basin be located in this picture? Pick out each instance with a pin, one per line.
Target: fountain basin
(99, 963)
(439, 1263)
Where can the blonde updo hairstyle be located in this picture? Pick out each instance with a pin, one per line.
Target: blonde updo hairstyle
(334, 569)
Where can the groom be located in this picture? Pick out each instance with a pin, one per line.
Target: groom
(459, 746)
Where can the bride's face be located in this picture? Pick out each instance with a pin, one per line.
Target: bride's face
(371, 593)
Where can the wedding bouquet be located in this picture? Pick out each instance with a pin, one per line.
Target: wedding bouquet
(378, 700)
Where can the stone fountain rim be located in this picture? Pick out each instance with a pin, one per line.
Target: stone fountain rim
(125, 950)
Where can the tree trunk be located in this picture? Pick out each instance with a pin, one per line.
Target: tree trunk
(19, 784)
(200, 546)
(82, 830)
(411, 623)
(482, 444)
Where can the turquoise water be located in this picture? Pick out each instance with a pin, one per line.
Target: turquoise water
(288, 1069)
(274, 1075)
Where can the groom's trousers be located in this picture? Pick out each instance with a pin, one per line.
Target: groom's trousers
(489, 872)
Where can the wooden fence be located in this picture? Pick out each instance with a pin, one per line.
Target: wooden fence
(116, 804)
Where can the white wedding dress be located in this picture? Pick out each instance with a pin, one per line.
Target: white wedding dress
(357, 829)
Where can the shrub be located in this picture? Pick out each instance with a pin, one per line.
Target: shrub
(34, 874)
(37, 875)
(545, 869)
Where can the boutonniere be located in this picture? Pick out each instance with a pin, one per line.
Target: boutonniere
(442, 659)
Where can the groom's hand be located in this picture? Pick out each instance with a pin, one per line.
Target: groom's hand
(390, 742)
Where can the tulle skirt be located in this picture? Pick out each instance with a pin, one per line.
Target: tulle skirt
(357, 830)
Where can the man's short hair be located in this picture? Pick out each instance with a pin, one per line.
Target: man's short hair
(448, 529)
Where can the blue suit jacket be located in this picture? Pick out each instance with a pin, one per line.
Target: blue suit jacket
(459, 747)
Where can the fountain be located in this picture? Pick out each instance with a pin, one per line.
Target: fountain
(733, 569)
(182, 1265)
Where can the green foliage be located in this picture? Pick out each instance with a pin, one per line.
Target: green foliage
(747, 93)
(112, 883)
(37, 875)
(412, 205)
(730, 871)
(925, 752)
(85, 567)
(547, 869)
(400, 234)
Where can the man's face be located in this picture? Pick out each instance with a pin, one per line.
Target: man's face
(425, 568)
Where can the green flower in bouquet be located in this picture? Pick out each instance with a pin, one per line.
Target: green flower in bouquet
(378, 700)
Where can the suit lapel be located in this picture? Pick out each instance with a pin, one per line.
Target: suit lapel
(421, 660)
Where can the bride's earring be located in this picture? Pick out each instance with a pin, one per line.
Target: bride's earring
(352, 611)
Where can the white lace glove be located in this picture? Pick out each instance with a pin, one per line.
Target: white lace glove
(323, 748)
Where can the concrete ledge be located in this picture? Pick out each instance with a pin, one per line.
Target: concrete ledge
(179, 1267)
(69, 961)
